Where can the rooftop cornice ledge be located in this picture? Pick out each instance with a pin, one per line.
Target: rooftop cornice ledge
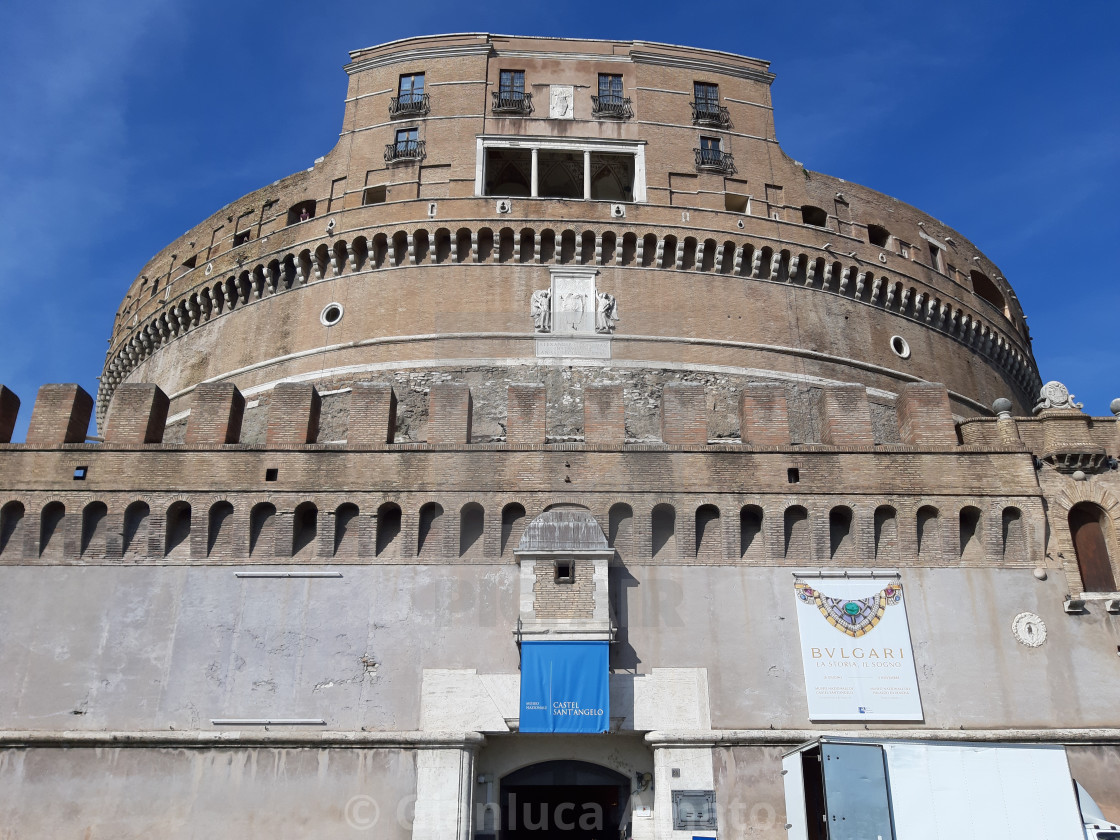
(452, 51)
(702, 65)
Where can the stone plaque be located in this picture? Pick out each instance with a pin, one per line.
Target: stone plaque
(561, 102)
(573, 301)
(575, 348)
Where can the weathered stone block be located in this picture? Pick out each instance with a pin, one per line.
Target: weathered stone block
(449, 413)
(216, 414)
(293, 415)
(61, 415)
(924, 415)
(525, 414)
(846, 416)
(764, 415)
(604, 415)
(684, 414)
(138, 414)
(373, 415)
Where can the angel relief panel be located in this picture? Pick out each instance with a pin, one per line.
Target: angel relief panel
(578, 318)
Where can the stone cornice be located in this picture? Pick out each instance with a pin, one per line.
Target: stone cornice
(703, 66)
(422, 54)
(759, 737)
(212, 739)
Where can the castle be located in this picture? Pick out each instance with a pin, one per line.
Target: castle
(556, 361)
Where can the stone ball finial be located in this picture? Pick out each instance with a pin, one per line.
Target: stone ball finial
(1114, 406)
(1002, 407)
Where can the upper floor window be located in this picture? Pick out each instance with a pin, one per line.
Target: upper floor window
(411, 88)
(707, 94)
(302, 211)
(510, 97)
(878, 235)
(711, 155)
(411, 98)
(709, 151)
(408, 146)
(706, 109)
(610, 87)
(816, 216)
(934, 256)
(511, 83)
(610, 102)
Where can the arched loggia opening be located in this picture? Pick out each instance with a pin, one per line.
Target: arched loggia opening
(575, 800)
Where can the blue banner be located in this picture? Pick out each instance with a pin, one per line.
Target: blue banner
(564, 687)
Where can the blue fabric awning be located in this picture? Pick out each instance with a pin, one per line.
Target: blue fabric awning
(564, 687)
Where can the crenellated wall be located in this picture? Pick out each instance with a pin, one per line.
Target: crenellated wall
(927, 500)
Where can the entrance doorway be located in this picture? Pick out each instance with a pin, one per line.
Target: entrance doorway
(566, 800)
(1087, 523)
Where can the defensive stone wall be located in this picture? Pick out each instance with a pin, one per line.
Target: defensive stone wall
(928, 499)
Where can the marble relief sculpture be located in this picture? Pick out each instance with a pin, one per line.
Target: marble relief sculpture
(606, 312)
(540, 307)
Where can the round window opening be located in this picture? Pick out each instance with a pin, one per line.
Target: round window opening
(331, 314)
(900, 347)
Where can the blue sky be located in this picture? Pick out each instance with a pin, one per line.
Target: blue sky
(129, 121)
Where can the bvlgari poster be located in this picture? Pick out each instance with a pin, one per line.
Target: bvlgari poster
(855, 646)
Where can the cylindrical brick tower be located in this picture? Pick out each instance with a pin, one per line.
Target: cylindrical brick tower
(506, 209)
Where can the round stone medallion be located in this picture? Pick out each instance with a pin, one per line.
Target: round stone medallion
(1029, 629)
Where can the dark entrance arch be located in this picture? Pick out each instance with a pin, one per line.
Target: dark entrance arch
(573, 800)
(1086, 526)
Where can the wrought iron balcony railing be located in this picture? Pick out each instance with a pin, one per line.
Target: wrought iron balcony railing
(404, 150)
(409, 105)
(715, 160)
(709, 112)
(512, 102)
(611, 106)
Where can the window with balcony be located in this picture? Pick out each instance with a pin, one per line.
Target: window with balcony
(610, 102)
(711, 156)
(706, 109)
(408, 146)
(510, 97)
(410, 100)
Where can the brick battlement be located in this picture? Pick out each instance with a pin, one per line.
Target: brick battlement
(772, 501)
(922, 413)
